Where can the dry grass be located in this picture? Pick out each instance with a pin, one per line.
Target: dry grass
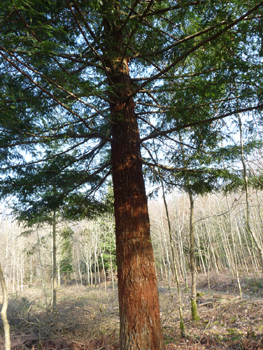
(87, 318)
(226, 321)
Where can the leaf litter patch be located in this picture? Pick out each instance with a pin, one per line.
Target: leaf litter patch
(87, 318)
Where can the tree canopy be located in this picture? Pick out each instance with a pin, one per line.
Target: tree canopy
(56, 57)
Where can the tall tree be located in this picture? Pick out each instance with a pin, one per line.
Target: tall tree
(85, 83)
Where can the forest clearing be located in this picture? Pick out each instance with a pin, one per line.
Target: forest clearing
(87, 317)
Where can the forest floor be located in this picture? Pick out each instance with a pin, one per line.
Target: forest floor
(87, 317)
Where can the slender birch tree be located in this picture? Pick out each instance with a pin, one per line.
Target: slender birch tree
(4, 309)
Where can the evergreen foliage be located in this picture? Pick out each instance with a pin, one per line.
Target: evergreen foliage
(184, 61)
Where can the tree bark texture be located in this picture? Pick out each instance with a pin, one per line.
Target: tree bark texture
(140, 326)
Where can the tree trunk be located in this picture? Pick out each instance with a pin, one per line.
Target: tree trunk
(3, 311)
(183, 262)
(140, 326)
(163, 237)
(182, 325)
(79, 269)
(200, 254)
(245, 176)
(41, 265)
(21, 265)
(111, 269)
(54, 266)
(195, 316)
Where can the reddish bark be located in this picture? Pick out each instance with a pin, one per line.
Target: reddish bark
(140, 326)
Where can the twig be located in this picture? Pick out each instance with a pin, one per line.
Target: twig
(208, 324)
